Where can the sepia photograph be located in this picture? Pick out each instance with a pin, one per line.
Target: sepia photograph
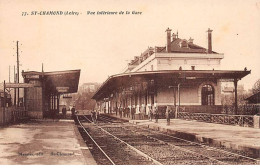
(130, 82)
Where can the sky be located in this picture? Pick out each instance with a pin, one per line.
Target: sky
(102, 45)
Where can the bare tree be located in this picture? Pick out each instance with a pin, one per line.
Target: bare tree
(256, 87)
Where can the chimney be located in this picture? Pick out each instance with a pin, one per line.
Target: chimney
(209, 41)
(168, 40)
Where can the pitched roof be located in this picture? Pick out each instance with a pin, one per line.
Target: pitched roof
(191, 48)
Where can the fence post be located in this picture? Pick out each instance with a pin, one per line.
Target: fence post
(4, 105)
(256, 121)
(235, 84)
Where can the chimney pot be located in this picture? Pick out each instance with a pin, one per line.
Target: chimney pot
(209, 41)
(168, 40)
(174, 36)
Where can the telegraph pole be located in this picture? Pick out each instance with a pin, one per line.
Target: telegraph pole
(9, 74)
(14, 88)
(4, 104)
(9, 78)
(17, 70)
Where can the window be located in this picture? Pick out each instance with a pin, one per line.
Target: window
(184, 44)
(207, 95)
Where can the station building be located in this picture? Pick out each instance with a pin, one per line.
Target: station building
(182, 75)
(43, 90)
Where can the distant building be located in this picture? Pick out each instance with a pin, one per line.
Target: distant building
(182, 74)
(254, 99)
(8, 100)
(89, 87)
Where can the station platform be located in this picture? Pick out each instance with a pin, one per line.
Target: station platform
(234, 137)
(43, 142)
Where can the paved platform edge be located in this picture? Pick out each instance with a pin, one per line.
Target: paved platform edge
(195, 137)
(88, 157)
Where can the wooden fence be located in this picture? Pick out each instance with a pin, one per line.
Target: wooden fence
(10, 115)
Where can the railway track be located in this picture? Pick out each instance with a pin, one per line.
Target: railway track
(222, 155)
(109, 150)
(96, 150)
(167, 149)
(214, 154)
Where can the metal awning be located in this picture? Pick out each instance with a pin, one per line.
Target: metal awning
(57, 81)
(116, 81)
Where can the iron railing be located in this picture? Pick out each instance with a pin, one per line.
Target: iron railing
(240, 120)
(247, 109)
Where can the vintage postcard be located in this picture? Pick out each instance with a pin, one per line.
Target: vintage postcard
(129, 82)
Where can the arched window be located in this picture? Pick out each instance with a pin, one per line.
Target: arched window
(207, 95)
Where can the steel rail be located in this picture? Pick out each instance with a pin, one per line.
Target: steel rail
(177, 147)
(207, 147)
(95, 142)
(130, 146)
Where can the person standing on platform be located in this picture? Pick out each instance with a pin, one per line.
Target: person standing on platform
(156, 114)
(168, 115)
(128, 112)
(64, 112)
(150, 114)
(120, 112)
(73, 112)
(142, 112)
(133, 113)
(94, 117)
(123, 112)
(98, 113)
(92, 113)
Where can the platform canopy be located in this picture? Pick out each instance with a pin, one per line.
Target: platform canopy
(126, 79)
(56, 81)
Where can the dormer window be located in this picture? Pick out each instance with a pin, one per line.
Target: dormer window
(184, 44)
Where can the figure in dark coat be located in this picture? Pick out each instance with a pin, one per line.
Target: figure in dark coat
(156, 114)
(94, 116)
(64, 111)
(73, 112)
(150, 114)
